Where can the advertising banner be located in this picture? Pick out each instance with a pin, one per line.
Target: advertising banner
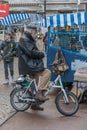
(4, 10)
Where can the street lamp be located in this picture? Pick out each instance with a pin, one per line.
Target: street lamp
(44, 7)
(45, 11)
(78, 4)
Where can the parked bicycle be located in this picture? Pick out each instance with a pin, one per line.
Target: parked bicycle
(23, 96)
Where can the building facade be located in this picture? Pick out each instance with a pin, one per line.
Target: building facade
(46, 6)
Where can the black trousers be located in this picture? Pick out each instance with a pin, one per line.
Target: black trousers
(10, 66)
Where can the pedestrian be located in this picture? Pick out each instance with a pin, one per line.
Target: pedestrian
(8, 51)
(45, 40)
(30, 61)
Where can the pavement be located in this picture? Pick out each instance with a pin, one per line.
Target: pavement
(6, 111)
(49, 119)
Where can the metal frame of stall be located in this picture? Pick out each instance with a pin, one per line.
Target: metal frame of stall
(73, 58)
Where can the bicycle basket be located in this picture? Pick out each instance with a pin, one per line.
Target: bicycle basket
(56, 71)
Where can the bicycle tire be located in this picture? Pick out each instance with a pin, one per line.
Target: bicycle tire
(60, 104)
(13, 103)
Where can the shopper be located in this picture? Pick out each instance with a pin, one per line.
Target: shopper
(8, 51)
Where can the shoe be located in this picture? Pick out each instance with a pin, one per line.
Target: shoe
(36, 107)
(6, 82)
(39, 95)
(44, 92)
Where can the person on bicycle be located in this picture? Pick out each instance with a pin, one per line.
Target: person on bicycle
(30, 61)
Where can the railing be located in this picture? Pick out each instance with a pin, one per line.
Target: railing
(74, 41)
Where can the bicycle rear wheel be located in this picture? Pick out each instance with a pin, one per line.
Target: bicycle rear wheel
(15, 99)
(67, 109)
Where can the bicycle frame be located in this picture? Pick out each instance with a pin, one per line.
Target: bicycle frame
(55, 85)
(30, 83)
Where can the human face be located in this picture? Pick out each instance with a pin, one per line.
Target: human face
(32, 32)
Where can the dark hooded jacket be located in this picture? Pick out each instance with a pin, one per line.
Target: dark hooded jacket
(9, 49)
(29, 57)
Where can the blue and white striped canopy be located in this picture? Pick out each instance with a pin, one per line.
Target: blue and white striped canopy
(66, 19)
(14, 18)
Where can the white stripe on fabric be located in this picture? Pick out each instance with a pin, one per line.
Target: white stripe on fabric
(82, 17)
(68, 20)
(24, 16)
(27, 16)
(4, 22)
(61, 20)
(48, 21)
(43, 23)
(55, 20)
(9, 18)
(18, 18)
(12, 19)
(6, 18)
(21, 16)
(75, 19)
(15, 17)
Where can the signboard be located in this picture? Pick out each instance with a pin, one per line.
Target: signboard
(4, 10)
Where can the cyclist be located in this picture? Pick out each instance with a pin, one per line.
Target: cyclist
(31, 61)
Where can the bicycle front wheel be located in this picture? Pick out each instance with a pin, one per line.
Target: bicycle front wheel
(67, 109)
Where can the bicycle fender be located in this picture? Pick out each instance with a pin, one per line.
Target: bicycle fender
(13, 91)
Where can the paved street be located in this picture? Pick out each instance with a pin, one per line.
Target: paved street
(5, 108)
(50, 118)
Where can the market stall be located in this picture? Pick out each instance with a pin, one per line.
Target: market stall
(14, 18)
(68, 31)
(17, 22)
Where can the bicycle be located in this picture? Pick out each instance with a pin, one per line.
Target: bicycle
(66, 101)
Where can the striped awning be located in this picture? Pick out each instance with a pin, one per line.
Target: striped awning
(14, 18)
(66, 19)
(1, 18)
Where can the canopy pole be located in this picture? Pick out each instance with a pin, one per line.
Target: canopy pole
(45, 11)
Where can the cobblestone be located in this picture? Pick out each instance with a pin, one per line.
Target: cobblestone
(5, 107)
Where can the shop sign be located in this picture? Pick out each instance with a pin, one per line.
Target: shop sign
(4, 10)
